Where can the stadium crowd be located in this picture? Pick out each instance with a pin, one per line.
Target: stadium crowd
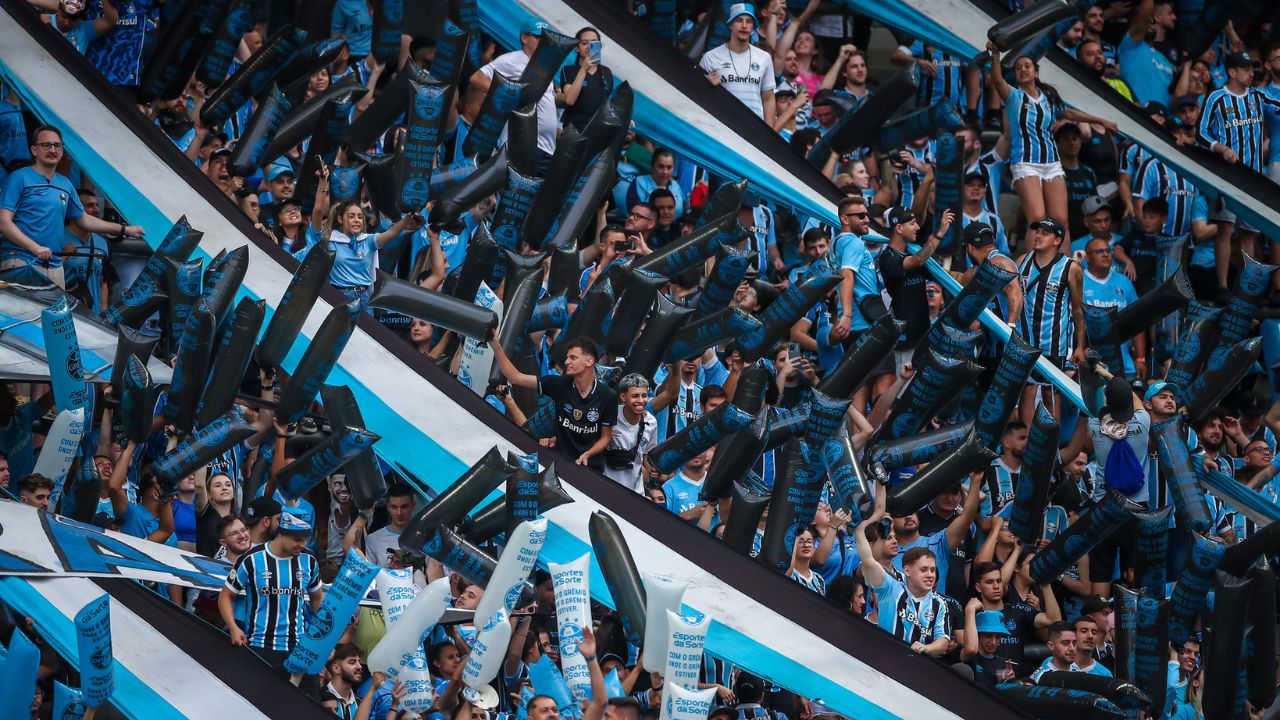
(1079, 216)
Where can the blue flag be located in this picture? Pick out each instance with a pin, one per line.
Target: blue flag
(19, 686)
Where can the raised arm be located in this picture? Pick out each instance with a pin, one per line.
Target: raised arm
(872, 571)
(997, 77)
(958, 528)
(115, 486)
(508, 368)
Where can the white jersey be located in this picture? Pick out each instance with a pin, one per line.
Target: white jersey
(624, 437)
(746, 74)
(511, 66)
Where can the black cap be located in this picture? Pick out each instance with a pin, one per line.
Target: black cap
(1066, 129)
(1238, 60)
(220, 152)
(1186, 101)
(1093, 604)
(261, 507)
(897, 216)
(1251, 403)
(1119, 397)
(979, 234)
(1155, 108)
(971, 177)
(1051, 225)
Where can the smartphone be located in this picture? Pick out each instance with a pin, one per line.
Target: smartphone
(794, 352)
(593, 48)
(620, 246)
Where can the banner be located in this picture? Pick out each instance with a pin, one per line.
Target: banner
(60, 448)
(325, 626)
(39, 544)
(662, 595)
(681, 704)
(93, 637)
(573, 613)
(687, 634)
(477, 358)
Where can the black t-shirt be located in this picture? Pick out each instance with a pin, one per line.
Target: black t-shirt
(907, 290)
(1020, 621)
(596, 88)
(1144, 251)
(1082, 184)
(207, 531)
(579, 419)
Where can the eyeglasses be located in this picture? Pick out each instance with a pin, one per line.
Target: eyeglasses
(1100, 251)
(638, 215)
(804, 543)
(48, 145)
(1261, 449)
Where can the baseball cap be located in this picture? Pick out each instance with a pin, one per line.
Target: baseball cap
(974, 177)
(1051, 225)
(1154, 108)
(102, 520)
(1093, 604)
(738, 9)
(991, 621)
(897, 216)
(1186, 101)
(291, 524)
(261, 507)
(722, 711)
(1158, 387)
(220, 152)
(1119, 397)
(278, 170)
(1251, 403)
(979, 234)
(534, 26)
(1093, 204)
(1237, 60)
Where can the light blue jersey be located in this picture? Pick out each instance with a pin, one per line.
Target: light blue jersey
(1030, 122)
(1112, 290)
(1237, 122)
(1147, 71)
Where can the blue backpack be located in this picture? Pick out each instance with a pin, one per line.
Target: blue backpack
(1124, 473)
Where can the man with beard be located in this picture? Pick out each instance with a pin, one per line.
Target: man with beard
(1093, 56)
(1000, 478)
(1087, 634)
(941, 543)
(218, 170)
(682, 492)
(851, 66)
(345, 674)
(1019, 619)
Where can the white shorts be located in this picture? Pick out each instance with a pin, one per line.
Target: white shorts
(1044, 171)
(1220, 213)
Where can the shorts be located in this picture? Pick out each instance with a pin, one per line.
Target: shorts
(1044, 171)
(55, 274)
(1220, 213)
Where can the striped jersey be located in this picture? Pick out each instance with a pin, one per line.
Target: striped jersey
(814, 581)
(1155, 179)
(1046, 308)
(1134, 156)
(985, 165)
(947, 85)
(1030, 122)
(276, 591)
(1000, 481)
(908, 618)
(1237, 122)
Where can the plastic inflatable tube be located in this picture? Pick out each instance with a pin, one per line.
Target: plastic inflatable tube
(522, 292)
(178, 244)
(641, 292)
(253, 76)
(392, 293)
(620, 574)
(389, 104)
(753, 383)
(516, 562)
(318, 360)
(1053, 703)
(250, 151)
(1225, 369)
(331, 125)
(522, 140)
(62, 443)
(380, 183)
(951, 467)
(215, 64)
(1094, 525)
(858, 128)
(1005, 389)
(296, 303)
(315, 465)
(937, 380)
(1169, 297)
(796, 491)
(1124, 693)
(1091, 388)
(444, 177)
(201, 446)
(521, 498)
(66, 370)
(674, 258)
(1099, 325)
(584, 198)
(609, 126)
(1176, 466)
(573, 613)
(449, 507)
(1224, 656)
(492, 518)
(918, 448)
(231, 358)
(590, 320)
(364, 479)
(549, 313)
(782, 313)
(485, 181)
(687, 635)
(727, 273)
(747, 508)
(697, 437)
(414, 621)
(932, 121)
(1151, 651)
(1240, 557)
(139, 302)
(543, 65)
(224, 282)
(662, 20)
(345, 181)
(191, 369)
(388, 16)
(1125, 608)
(1192, 588)
(304, 62)
(137, 400)
(545, 679)
(966, 307)
(502, 99)
(517, 196)
(953, 342)
(542, 422)
(948, 190)
(473, 564)
(184, 283)
(1152, 551)
(1261, 668)
(697, 336)
(660, 330)
(857, 364)
(1031, 494)
(451, 50)
(1236, 322)
(300, 120)
(1026, 24)
(686, 703)
(166, 56)
(566, 164)
(482, 254)
(846, 476)
(826, 416)
(784, 424)
(663, 597)
(1199, 337)
(735, 455)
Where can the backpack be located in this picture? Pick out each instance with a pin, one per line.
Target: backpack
(1124, 473)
